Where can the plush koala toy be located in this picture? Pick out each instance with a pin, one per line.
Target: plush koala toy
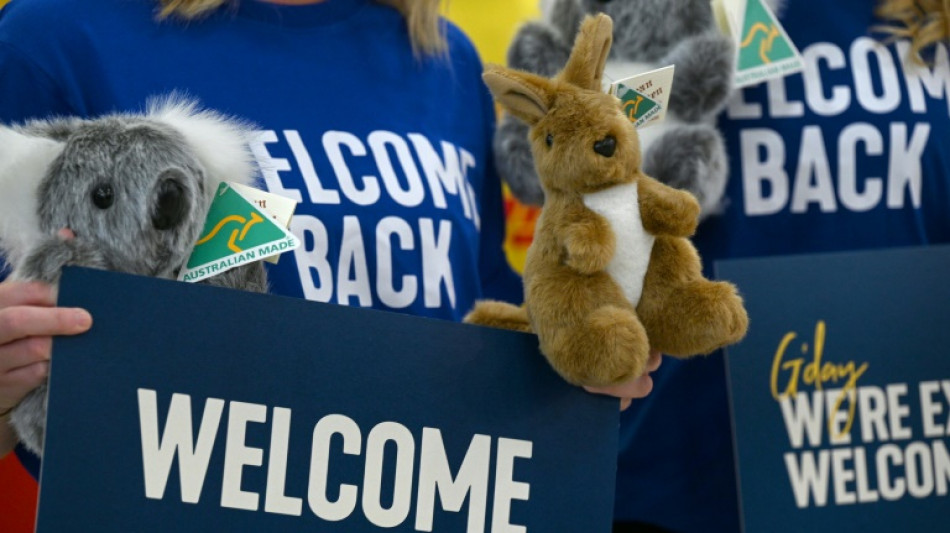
(123, 192)
(685, 151)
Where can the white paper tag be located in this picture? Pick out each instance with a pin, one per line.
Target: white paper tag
(763, 49)
(280, 208)
(645, 97)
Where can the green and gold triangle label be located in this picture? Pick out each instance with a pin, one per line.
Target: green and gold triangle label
(763, 40)
(236, 232)
(764, 50)
(638, 107)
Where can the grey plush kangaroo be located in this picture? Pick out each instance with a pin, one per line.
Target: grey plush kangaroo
(124, 192)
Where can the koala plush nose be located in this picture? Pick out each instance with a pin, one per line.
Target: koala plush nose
(171, 205)
(606, 146)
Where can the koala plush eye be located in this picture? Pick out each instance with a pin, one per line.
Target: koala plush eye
(549, 140)
(103, 196)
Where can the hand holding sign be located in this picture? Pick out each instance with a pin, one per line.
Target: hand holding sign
(470, 436)
(28, 320)
(638, 387)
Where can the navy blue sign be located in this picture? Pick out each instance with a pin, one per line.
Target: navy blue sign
(203, 409)
(841, 391)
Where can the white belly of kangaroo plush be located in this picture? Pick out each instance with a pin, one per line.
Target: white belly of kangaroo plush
(620, 206)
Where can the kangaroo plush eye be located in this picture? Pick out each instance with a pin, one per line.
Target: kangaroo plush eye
(103, 196)
(606, 146)
(549, 140)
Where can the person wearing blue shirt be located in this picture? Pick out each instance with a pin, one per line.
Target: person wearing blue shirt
(373, 118)
(853, 153)
(372, 115)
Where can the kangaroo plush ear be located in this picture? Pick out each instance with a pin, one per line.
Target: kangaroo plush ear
(522, 94)
(585, 67)
(219, 142)
(24, 160)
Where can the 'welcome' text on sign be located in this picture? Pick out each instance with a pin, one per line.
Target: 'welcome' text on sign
(220, 410)
(431, 473)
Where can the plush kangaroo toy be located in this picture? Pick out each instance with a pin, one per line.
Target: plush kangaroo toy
(685, 150)
(610, 272)
(124, 192)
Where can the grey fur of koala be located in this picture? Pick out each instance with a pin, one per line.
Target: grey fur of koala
(685, 151)
(134, 190)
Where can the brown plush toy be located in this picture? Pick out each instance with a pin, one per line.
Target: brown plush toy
(610, 273)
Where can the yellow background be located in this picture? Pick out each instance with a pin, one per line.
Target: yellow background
(491, 24)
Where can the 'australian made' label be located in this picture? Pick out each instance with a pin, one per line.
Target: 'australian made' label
(236, 233)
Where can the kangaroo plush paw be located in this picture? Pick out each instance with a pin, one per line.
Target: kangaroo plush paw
(499, 315)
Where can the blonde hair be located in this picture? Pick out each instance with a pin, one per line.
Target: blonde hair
(924, 22)
(422, 19)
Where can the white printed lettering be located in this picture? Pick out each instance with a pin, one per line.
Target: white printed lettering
(813, 179)
(353, 259)
(271, 167)
(904, 170)
(323, 432)
(385, 288)
(815, 97)
(847, 167)
(436, 266)
(237, 455)
(159, 451)
(276, 501)
(373, 478)
(920, 77)
(380, 142)
(862, 50)
(764, 180)
(435, 476)
(506, 488)
(318, 195)
(332, 141)
(316, 275)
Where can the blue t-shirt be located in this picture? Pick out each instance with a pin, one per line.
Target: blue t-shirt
(852, 154)
(389, 154)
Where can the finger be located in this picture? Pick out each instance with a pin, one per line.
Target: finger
(13, 293)
(24, 352)
(625, 403)
(27, 321)
(17, 383)
(635, 388)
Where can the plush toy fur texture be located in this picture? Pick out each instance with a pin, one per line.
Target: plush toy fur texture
(685, 151)
(610, 273)
(126, 192)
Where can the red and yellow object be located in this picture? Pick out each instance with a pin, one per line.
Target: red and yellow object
(18, 492)
(491, 24)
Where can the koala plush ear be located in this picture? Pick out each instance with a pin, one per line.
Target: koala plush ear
(585, 67)
(24, 160)
(565, 15)
(219, 142)
(522, 94)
